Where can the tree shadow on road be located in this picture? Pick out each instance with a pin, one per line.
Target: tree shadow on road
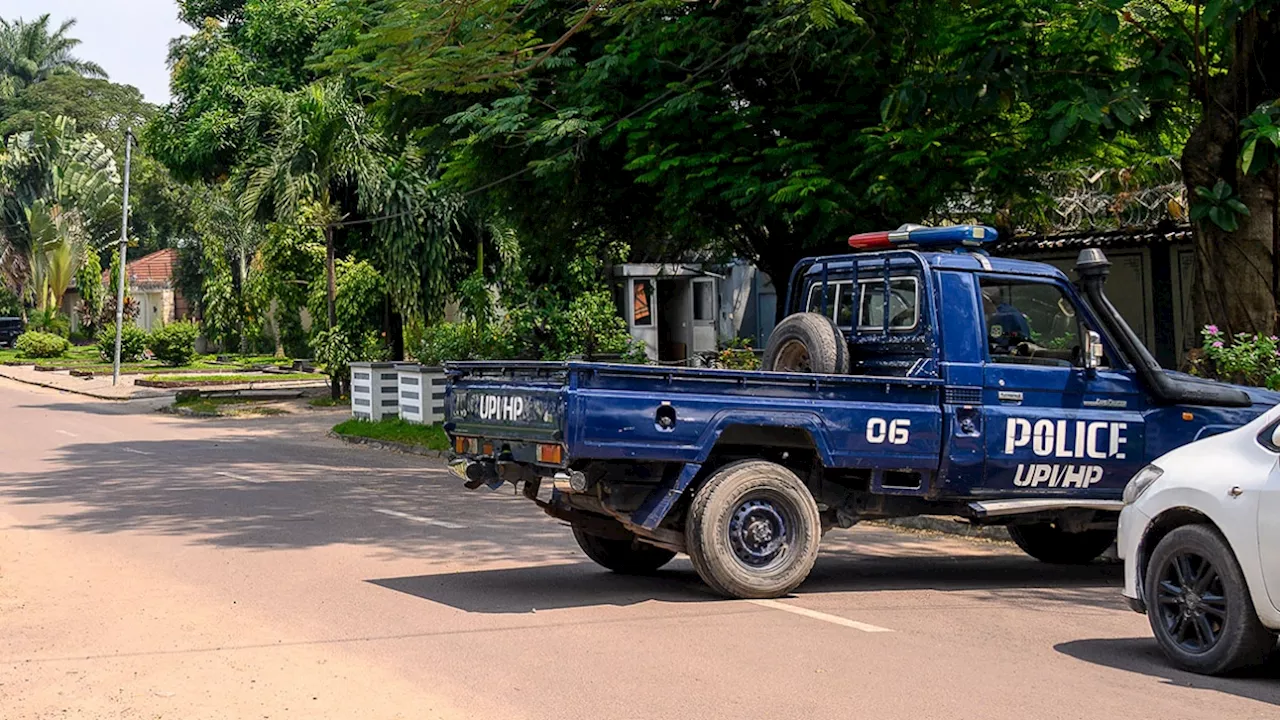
(265, 488)
(988, 578)
(553, 587)
(1142, 655)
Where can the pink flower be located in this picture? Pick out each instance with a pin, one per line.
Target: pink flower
(1211, 329)
(1218, 344)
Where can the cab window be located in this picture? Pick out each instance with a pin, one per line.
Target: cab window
(1030, 323)
(840, 302)
(904, 304)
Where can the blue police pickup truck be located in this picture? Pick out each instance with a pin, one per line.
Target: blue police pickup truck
(915, 376)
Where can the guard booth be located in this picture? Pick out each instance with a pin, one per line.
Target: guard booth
(671, 308)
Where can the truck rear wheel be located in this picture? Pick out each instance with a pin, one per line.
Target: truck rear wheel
(753, 530)
(807, 343)
(1046, 543)
(628, 557)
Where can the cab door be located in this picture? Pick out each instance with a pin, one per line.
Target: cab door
(1053, 428)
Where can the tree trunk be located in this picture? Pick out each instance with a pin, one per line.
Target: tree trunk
(1235, 282)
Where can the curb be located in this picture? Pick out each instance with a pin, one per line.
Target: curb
(85, 393)
(388, 445)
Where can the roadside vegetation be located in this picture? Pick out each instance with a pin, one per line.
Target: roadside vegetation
(330, 189)
(228, 407)
(231, 379)
(431, 437)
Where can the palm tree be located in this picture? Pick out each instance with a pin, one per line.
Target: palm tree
(315, 142)
(317, 145)
(29, 54)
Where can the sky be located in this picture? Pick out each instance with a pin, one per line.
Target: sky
(128, 38)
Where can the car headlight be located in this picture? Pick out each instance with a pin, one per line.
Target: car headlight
(1140, 483)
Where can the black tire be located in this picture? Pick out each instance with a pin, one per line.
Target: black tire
(807, 342)
(753, 530)
(1219, 604)
(1048, 544)
(628, 557)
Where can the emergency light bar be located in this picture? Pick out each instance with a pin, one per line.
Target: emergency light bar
(925, 237)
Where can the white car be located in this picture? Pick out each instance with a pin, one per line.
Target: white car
(1200, 539)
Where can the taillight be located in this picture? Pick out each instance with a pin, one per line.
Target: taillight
(550, 454)
(466, 445)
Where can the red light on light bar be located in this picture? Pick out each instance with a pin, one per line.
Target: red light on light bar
(870, 241)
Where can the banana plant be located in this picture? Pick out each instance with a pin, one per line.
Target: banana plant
(59, 183)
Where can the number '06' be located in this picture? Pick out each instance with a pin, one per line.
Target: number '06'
(894, 432)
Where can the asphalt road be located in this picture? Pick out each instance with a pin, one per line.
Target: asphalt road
(162, 567)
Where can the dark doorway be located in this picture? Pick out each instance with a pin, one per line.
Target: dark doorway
(670, 334)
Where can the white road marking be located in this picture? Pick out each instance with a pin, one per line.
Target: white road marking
(135, 452)
(241, 478)
(423, 520)
(68, 434)
(814, 614)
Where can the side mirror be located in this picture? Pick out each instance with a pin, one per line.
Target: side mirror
(1093, 352)
(1275, 437)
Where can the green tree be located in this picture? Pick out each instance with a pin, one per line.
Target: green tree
(89, 284)
(30, 53)
(247, 104)
(160, 213)
(769, 130)
(61, 181)
(313, 142)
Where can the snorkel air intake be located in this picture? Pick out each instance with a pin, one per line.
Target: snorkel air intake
(1093, 267)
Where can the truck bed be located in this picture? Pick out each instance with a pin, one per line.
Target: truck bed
(602, 411)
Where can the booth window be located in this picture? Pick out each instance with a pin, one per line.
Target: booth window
(642, 308)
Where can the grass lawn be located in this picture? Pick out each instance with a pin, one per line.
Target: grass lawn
(228, 406)
(234, 379)
(76, 355)
(396, 430)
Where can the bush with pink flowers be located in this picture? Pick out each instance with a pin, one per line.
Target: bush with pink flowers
(1245, 359)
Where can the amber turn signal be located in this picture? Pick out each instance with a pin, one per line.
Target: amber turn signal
(550, 454)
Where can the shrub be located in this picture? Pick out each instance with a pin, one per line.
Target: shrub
(37, 344)
(1245, 359)
(175, 344)
(738, 355)
(133, 343)
(49, 321)
(462, 341)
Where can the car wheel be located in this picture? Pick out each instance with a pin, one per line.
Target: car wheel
(807, 343)
(1048, 544)
(753, 530)
(1199, 605)
(628, 557)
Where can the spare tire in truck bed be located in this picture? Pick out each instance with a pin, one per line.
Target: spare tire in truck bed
(807, 343)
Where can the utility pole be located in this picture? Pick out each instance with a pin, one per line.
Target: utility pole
(124, 249)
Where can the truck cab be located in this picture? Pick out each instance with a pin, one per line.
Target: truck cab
(917, 375)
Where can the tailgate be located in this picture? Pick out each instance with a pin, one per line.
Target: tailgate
(508, 408)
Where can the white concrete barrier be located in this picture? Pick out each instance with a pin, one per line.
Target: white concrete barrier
(374, 390)
(421, 394)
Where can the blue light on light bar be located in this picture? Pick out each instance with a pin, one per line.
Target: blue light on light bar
(926, 237)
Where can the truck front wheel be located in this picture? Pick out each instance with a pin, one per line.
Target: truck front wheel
(1046, 543)
(628, 557)
(753, 530)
